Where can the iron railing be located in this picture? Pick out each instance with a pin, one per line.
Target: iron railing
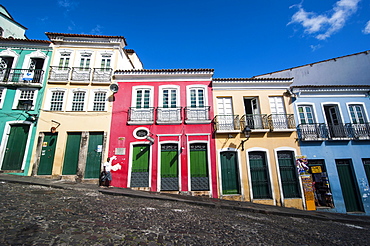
(197, 113)
(321, 132)
(143, 115)
(102, 74)
(254, 121)
(168, 115)
(81, 74)
(59, 73)
(227, 123)
(281, 121)
(14, 75)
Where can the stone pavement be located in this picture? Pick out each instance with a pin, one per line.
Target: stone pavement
(200, 201)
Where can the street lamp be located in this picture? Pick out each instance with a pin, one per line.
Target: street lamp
(247, 133)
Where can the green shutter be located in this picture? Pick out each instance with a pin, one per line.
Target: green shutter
(93, 159)
(259, 174)
(229, 173)
(288, 175)
(47, 154)
(199, 167)
(71, 153)
(140, 159)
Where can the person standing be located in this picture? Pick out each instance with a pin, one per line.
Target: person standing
(107, 175)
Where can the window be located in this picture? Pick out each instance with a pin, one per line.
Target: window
(169, 98)
(105, 63)
(56, 101)
(142, 98)
(305, 114)
(85, 63)
(2, 96)
(25, 99)
(64, 60)
(366, 162)
(357, 114)
(259, 175)
(288, 174)
(78, 101)
(197, 97)
(1, 32)
(99, 101)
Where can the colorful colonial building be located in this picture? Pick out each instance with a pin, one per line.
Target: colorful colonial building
(74, 123)
(23, 67)
(161, 131)
(256, 141)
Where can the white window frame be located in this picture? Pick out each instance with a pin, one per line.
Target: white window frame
(18, 95)
(188, 94)
(49, 95)
(85, 54)
(314, 115)
(162, 88)
(64, 53)
(135, 89)
(2, 96)
(70, 99)
(365, 115)
(91, 99)
(337, 104)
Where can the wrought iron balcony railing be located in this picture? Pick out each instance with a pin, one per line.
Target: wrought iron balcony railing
(81, 74)
(281, 122)
(255, 121)
(14, 75)
(197, 113)
(227, 123)
(102, 74)
(169, 115)
(59, 73)
(321, 132)
(141, 115)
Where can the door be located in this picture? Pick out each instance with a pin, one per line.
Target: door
(169, 167)
(253, 118)
(288, 174)
(229, 173)
(140, 166)
(36, 66)
(71, 153)
(199, 167)
(15, 147)
(260, 175)
(350, 190)
(47, 154)
(5, 67)
(278, 115)
(94, 155)
(333, 119)
(225, 117)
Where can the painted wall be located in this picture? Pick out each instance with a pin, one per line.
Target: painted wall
(122, 136)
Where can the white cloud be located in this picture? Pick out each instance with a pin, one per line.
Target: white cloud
(315, 47)
(324, 25)
(68, 4)
(367, 28)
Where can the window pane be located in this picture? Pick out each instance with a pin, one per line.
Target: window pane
(78, 101)
(56, 103)
(99, 101)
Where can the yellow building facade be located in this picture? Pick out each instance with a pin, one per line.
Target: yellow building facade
(75, 118)
(256, 142)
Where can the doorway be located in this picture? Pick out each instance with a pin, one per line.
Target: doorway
(229, 173)
(140, 166)
(47, 154)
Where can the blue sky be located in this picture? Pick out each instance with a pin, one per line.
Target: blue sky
(237, 38)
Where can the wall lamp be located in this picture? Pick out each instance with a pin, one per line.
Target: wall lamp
(247, 133)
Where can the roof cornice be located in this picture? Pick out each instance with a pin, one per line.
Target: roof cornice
(84, 38)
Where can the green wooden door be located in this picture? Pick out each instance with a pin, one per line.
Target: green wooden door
(199, 167)
(94, 155)
(229, 173)
(15, 147)
(366, 163)
(47, 154)
(71, 153)
(169, 167)
(140, 166)
(350, 191)
(260, 175)
(288, 174)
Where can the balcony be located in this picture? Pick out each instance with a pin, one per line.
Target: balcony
(227, 123)
(281, 122)
(322, 132)
(169, 116)
(81, 75)
(102, 75)
(256, 122)
(140, 116)
(12, 76)
(197, 115)
(59, 74)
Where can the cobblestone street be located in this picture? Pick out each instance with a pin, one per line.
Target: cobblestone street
(37, 215)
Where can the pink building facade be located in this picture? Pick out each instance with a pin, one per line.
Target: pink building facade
(161, 131)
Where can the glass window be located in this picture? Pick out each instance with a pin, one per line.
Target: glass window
(169, 98)
(99, 101)
(142, 98)
(357, 114)
(78, 101)
(197, 98)
(305, 114)
(56, 103)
